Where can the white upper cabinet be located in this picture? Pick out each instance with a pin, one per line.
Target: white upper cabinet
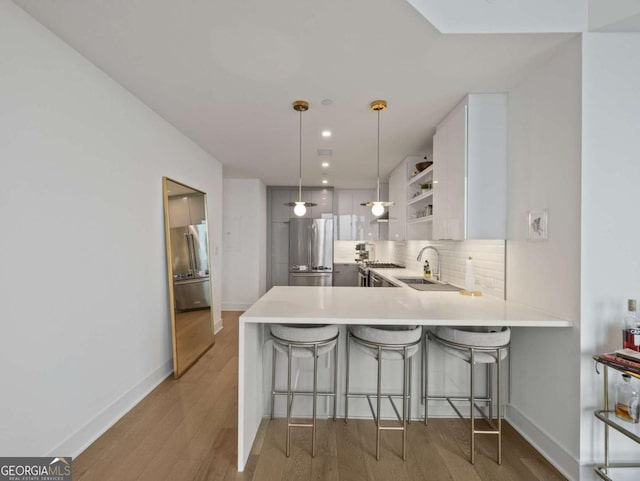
(470, 170)
(398, 195)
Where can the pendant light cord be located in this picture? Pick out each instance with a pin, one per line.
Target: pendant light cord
(378, 156)
(300, 171)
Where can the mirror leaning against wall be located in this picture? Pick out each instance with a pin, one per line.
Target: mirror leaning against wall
(188, 273)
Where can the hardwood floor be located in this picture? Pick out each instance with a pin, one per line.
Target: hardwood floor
(185, 430)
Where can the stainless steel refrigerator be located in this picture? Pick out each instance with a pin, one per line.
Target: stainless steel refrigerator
(191, 285)
(310, 252)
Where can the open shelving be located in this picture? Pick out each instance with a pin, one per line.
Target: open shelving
(422, 198)
(421, 176)
(420, 220)
(419, 202)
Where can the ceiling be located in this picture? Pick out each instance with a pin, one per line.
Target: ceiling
(507, 16)
(226, 72)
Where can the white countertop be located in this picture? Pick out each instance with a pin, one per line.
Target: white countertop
(356, 305)
(391, 305)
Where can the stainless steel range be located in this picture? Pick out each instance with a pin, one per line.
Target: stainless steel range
(384, 265)
(365, 277)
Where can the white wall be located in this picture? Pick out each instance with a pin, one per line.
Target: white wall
(83, 291)
(610, 215)
(244, 243)
(544, 172)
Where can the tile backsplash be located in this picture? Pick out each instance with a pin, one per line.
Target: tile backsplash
(344, 251)
(488, 261)
(488, 257)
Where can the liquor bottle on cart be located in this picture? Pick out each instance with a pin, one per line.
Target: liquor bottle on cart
(631, 332)
(627, 400)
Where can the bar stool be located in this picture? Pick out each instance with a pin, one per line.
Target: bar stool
(303, 341)
(480, 346)
(386, 342)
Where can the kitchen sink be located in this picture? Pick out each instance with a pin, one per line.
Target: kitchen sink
(416, 280)
(422, 284)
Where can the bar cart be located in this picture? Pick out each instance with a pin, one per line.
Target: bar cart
(608, 417)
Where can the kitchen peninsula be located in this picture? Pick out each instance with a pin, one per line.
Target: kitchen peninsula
(354, 305)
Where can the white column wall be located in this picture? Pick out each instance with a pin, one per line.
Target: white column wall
(610, 217)
(85, 327)
(244, 243)
(544, 172)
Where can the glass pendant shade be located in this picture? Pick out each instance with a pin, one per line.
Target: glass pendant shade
(377, 209)
(299, 209)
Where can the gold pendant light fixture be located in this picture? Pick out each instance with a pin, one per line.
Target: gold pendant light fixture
(377, 206)
(300, 207)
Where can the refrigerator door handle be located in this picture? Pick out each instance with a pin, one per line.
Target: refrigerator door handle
(314, 240)
(311, 274)
(196, 268)
(189, 250)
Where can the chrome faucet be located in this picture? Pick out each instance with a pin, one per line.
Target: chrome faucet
(437, 252)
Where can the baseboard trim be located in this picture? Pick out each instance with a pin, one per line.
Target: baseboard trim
(92, 430)
(546, 445)
(232, 306)
(217, 326)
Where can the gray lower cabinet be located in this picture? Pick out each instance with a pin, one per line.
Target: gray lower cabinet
(345, 275)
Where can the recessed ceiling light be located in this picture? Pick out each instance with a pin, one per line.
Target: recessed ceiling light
(325, 164)
(326, 102)
(326, 133)
(325, 181)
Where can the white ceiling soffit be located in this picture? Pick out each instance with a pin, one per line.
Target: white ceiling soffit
(225, 73)
(614, 15)
(504, 16)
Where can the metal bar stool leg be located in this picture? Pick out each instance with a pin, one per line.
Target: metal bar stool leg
(346, 395)
(426, 379)
(509, 373)
(406, 369)
(489, 375)
(499, 408)
(472, 399)
(289, 355)
(315, 399)
(379, 393)
(335, 381)
(409, 389)
(273, 379)
(423, 397)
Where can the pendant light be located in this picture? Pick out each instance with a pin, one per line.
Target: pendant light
(300, 207)
(377, 206)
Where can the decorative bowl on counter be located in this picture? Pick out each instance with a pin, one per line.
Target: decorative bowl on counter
(423, 165)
